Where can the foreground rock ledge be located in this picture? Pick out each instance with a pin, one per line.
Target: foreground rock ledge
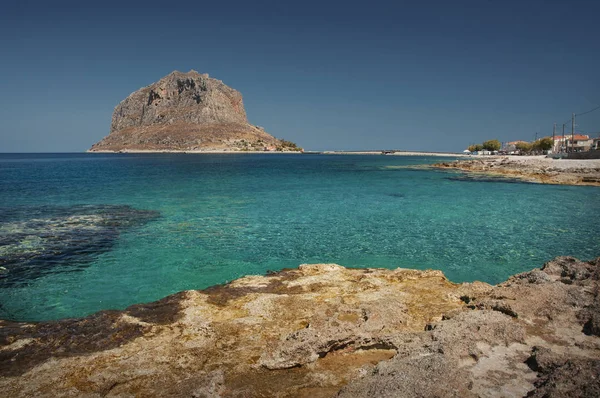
(324, 330)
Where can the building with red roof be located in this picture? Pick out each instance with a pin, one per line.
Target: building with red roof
(572, 143)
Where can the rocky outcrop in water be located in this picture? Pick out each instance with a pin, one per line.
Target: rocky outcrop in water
(324, 330)
(531, 169)
(185, 112)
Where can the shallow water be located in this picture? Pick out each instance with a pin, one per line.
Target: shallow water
(85, 232)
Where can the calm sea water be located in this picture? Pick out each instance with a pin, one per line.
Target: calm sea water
(85, 232)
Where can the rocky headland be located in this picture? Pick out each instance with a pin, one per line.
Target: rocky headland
(325, 330)
(185, 112)
(537, 169)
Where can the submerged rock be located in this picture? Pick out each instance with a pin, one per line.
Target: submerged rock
(322, 330)
(41, 240)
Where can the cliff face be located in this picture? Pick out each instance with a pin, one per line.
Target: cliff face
(183, 112)
(324, 330)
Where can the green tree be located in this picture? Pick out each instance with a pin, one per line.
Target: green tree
(492, 145)
(472, 148)
(524, 146)
(475, 148)
(543, 144)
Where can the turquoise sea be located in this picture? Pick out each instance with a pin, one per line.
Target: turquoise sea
(85, 232)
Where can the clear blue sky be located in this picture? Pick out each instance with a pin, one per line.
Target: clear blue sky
(427, 75)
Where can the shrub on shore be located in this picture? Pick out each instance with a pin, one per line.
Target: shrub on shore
(492, 145)
(475, 148)
(543, 144)
(524, 147)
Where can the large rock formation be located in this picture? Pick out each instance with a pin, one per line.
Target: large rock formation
(324, 330)
(185, 112)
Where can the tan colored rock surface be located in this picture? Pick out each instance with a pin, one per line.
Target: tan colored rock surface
(532, 168)
(322, 330)
(184, 112)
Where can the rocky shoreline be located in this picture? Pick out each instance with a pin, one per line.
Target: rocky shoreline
(537, 169)
(396, 153)
(325, 330)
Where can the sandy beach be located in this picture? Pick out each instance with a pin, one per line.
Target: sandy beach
(533, 168)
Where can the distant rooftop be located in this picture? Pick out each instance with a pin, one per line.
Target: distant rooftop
(579, 137)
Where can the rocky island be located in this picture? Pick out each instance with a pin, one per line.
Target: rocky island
(324, 330)
(185, 112)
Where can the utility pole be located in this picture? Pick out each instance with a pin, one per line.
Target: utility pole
(572, 132)
(553, 135)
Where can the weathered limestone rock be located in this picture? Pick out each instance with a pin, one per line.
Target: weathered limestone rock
(322, 330)
(184, 112)
(538, 349)
(531, 169)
